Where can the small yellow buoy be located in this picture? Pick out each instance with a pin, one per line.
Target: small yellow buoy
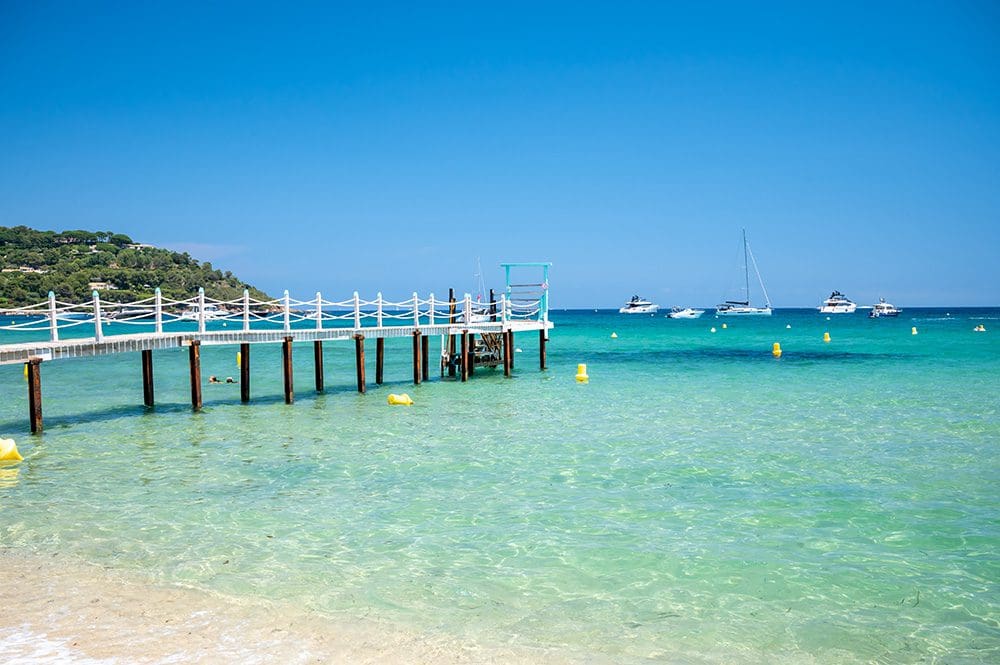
(614, 335)
(8, 451)
(581, 373)
(826, 337)
(713, 329)
(400, 400)
(25, 371)
(724, 326)
(913, 330)
(776, 350)
(239, 359)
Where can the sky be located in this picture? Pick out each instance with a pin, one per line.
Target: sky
(371, 146)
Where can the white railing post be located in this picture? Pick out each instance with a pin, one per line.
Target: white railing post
(503, 310)
(467, 309)
(201, 309)
(158, 310)
(357, 311)
(98, 332)
(430, 311)
(53, 321)
(287, 313)
(416, 310)
(379, 305)
(246, 310)
(319, 311)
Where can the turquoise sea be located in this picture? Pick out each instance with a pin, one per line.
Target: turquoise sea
(698, 501)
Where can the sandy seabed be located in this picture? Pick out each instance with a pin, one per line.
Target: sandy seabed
(56, 610)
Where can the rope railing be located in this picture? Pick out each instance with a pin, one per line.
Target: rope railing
(162, 313)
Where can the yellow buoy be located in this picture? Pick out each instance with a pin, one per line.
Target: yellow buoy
(399, 400)
(913, 330)
(25, 371)
(581, 373)
(826, 337)
(725, 325)
(712, 330)
(239, 359)
(614, 335)
(776, 350)
(8, 451)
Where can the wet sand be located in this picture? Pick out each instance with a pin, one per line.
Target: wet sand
(56, 610)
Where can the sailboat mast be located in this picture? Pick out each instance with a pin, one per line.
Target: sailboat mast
(746, 267)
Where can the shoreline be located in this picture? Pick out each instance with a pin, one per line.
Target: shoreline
(60, 609)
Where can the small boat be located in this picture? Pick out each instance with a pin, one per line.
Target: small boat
(685, 313)
(211, 312)
(638, 305)
(743, 307)
(883, 308)
(838, 303)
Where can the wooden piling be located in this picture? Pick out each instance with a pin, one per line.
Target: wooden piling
(318, 364)
(451, 338)
(472, 354)
(379, 359)
(510, 334)
(34, 367)
(493, 307)
(465, 355)
(425, 353)
(417, 357)
(541, 349)
(508, 353)
(194, 361)
(286, 366)
(245, 372)
(359, 359)
(147, 377)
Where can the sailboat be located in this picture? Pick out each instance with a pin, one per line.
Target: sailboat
(480, 308)
(743, 307)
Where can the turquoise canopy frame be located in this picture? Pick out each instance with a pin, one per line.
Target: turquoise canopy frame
(543, 304)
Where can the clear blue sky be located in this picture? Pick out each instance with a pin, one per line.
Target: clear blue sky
(368, 145)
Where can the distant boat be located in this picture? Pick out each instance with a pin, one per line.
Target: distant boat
(481, 312)
(837, 303)
(638, 305)
(685, 313)
(882, 308)
(211, 312)
(743, 307)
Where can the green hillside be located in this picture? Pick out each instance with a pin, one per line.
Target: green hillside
(68, 263)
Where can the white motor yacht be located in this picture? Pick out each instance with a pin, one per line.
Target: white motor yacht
(883, 308)
(639, 305)
(685, 313)
(837, 303)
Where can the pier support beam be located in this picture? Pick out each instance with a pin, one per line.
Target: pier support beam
(417, 358)
(541, 349)
(359, 360)
(472, 354)
(147, 377)
(465, 355)
(34, 367)
(286, 366)
(194, 361)
(245, 372)
(318, 364)
(451, 338)
(379, 360)
(510, 334)
(508, 353)
(425, 353)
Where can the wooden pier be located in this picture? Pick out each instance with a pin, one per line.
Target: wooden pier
(485, 329)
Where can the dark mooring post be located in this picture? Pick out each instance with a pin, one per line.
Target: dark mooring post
(451, 338)
(34, 367)
(194, 360)
(318, 364)
(359, 360)
(286, 367)
(245, 372)
(508, 353)
(493, 307)
(472, 354)
(147, 377)
(425, 353)
(417, 357)
(379, 359)
(541, 349)
(510, 336)
(465, 355)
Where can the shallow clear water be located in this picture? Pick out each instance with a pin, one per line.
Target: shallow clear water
(697, 501)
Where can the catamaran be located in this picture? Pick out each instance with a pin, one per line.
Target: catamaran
(743, 307)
